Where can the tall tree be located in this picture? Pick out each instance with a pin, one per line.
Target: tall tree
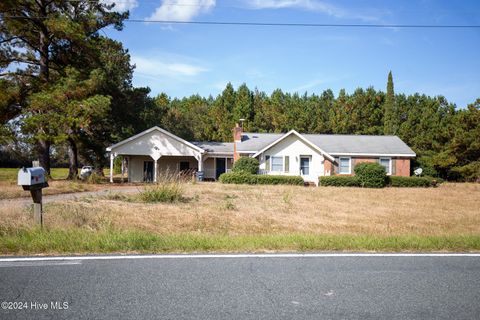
(390, 122)
(243, 108)
(41, 36)
(68, 108)
(221, 113)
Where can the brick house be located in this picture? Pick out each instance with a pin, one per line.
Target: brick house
(310, 156)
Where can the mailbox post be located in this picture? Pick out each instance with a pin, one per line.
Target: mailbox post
(34, 180)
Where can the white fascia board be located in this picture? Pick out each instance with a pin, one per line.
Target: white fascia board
(218, 154)
(301, 138)
(405, 155)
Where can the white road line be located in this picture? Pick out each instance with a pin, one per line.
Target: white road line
(234, 256)
(42, 263)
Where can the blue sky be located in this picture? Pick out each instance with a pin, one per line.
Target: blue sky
(181, 60)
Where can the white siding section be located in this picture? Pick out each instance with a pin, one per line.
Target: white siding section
(135, 170)
(155, 144)
(294, 148)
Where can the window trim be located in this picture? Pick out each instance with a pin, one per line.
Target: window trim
(283, 163)
(349, 165)
(389, 173)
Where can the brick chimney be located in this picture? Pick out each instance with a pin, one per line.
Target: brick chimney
(237, 137)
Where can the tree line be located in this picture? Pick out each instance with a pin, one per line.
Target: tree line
(71, 96)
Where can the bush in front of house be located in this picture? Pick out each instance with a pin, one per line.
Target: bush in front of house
(412, 182)
(371, 175)
(290, 180)
(338, 181)
(169, 191)
(247, 178)
(237, 178)
(246, 164)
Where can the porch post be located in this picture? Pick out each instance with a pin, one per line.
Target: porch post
(112, 157)
(123, 166)
(155, 161)
(200, 162)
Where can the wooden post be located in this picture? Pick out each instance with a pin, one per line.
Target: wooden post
(37, 206)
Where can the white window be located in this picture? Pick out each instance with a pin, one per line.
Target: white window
(277, 164)
(344, 166)
(387, 164)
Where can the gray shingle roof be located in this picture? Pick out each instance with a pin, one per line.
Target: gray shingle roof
(211, 146)
(333, 143)
(257, 141)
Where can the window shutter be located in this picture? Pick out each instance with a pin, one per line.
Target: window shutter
(287, 164)
(267, 163)
(336, 164)
(394, 166)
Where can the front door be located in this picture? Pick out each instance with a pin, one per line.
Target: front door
(148, 171)
(220, 163)
(304, 166)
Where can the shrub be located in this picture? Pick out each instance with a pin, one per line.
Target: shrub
(94, 178)
(339, 181)
(290, 180)
(238, 178)
(247, 178)
(246, 164)
(371, 175)
(162, 192)
(435, 181)
(408, 182)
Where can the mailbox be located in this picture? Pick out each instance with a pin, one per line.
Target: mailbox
(32, 178)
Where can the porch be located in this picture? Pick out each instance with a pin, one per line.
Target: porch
(142, 168)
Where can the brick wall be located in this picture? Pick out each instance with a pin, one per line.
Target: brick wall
(402, 167)
(328, 167)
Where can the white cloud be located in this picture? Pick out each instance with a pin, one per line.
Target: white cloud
(312, 5)
(158, 70)
(303, 4)
(122, 5)
(181, 10)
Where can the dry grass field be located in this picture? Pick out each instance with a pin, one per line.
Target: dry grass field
(57, 185)
(229, 212)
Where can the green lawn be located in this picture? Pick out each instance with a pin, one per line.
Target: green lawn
(36, 241)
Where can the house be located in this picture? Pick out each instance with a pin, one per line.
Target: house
(310, 156)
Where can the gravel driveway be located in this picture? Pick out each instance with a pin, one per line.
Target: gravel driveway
(69, 196)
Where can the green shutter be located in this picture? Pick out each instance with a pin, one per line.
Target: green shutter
(267, 163)
(287, 164)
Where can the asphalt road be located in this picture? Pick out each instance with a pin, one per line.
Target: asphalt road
(321, 287)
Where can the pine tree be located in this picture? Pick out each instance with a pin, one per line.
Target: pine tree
(390, 122)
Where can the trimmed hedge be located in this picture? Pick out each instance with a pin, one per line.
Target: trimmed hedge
(411, 182)
(339, 181)
(246, 164)
(371, 175)
(246, 178)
